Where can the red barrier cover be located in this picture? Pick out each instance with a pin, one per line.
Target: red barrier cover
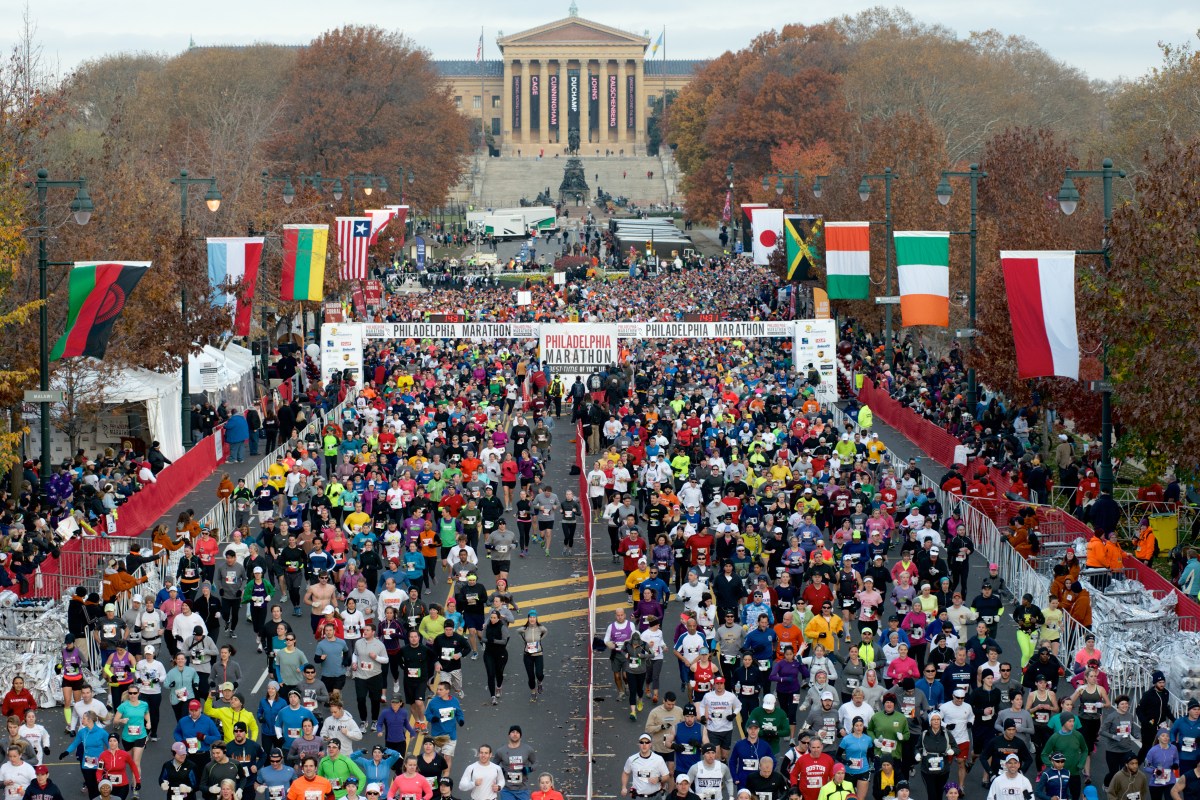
(145, 508)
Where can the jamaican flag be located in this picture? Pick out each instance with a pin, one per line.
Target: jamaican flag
(800, 232)
(98, 291)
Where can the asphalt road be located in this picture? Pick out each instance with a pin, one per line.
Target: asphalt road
(553, 725)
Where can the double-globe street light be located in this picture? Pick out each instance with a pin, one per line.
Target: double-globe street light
(944, 192)
(212, 199)
(81, 210)
(1068, 201)
(796, 179)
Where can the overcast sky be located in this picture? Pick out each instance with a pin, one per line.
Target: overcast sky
(1105, 38)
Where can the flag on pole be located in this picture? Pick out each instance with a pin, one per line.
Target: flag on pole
(97, 292)
(923, 264)
(1041, 304)
(235, 260)
(767, 224)
(353, 240)
(727, 212)
(303, 276)
(400, 213)
(380, 217)
(658, 43)
(848, 260)
(800, 232)
(479, 49)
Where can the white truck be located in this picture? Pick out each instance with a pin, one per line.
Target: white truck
(505, 226)
(532, 218)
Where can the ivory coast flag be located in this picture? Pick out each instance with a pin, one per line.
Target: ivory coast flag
(923, 263)
(303, 275)
(848, 260)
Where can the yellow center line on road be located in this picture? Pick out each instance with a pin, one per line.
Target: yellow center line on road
(534, 602)
(526, 587)
(582, 612)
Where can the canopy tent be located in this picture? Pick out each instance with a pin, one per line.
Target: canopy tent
(223, 375)
(161, 394)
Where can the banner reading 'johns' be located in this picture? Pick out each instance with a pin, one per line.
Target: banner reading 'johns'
(593, 101)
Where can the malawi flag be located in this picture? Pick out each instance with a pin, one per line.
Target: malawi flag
(97, 293)
(923, 264)
(303, 275)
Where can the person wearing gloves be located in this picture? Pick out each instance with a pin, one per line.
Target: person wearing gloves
(711, 779)
(889, 730)
(1070, 744)
(199, 733)
(339, 726)
(220, 768)
(230, 576)
(88, 745)
(747, 755)
(229, 715)
(1185, 735)
(1160, 763)
(339, 768)
(483, 779)
(177, 778)
(289, 721)
(273, 779)
(773, 722)
(1129, 783)
(935, 752)
(1122, 736)
(1010, 784)
(1054, 782)
(958, 718)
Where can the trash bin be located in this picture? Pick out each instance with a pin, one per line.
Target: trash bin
(1166, 530)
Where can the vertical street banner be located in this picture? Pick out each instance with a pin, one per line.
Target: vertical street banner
(578, 349)
(535, 102)
(815, 343)
(552, 124)
(593, 101)
(573, 92)
(419, 243)
(612, 102)
(516, 102)
(630, 102)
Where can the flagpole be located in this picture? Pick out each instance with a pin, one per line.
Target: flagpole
(664, 77)
(482, 126)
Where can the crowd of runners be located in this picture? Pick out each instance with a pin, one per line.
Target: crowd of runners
(802, 619)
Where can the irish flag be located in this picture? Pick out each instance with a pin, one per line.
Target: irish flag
(923, 263)
(303, 275)
(96, 295)
(1040, 285)
(234, 260)
(848, 260)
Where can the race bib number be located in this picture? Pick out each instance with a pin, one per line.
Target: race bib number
(1189, 744)
(764, 664)
(856, 764)
(1091, 708)
(413, 672)
(750, 764)
(90, 762)
(445, 714)
(887, 745)
(181, 694)
(134, 730)
(230, 579)
(513, 777)
(1041, 717)
(193, 745)
(813, 782)
(533, 648)
(110, 631)
(935, 763)
(447, 653)
(293, 733)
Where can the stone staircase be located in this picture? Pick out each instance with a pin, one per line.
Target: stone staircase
(505, 180)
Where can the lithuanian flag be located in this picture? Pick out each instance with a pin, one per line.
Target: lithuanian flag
(97, 293)
(304, 262)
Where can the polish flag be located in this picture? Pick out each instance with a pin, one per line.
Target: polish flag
(1040, 285)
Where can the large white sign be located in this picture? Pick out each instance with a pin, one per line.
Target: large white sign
(816, 343)
(342, 349)
(450, 330)
(578, 348)
(706, 330)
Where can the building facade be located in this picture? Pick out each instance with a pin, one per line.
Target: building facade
(572, 77)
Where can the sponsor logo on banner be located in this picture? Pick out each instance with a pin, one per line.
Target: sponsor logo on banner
(816, 343)
(342, 349)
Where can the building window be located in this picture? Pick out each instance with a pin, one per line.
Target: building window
(495, 126)
(476, 102)
(495, 101)
(650, 100)
(458, 102)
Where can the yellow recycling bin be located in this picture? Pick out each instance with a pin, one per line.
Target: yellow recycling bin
(1166, 530)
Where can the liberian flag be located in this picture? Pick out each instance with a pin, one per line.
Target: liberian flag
(353, 239)
(235, 260)
(96, 295)
(848, 260)
(767, 224)
(923, 263)
(1040, 285)
(401, 215)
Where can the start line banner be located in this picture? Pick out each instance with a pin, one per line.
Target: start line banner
(450, 330)
(706, 330)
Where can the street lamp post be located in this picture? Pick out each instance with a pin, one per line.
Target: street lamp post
(81, 209)
(368, 182)
(1068, 201)
(864, 194)
(212, 199)
(944, 191)
(289, 191)
(733, 220)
